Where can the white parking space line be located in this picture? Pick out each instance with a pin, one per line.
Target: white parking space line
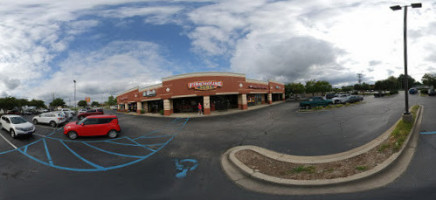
(8, 141)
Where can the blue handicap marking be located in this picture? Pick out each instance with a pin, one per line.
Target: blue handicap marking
(185, 165)
(428, 133)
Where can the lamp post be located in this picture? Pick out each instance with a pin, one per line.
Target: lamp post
(406, 116)
(75, 108)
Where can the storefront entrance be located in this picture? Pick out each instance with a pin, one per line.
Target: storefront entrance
(277, 97)
(155, 106)
(132, 107)
(185, 105)
(223, 102)
(254, 99)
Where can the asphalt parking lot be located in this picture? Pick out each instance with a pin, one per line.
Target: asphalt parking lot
(163, 158)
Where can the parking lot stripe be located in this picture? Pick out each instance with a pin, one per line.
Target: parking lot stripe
(9, 142)
(81, 158)
(112, 153)
(47, 152)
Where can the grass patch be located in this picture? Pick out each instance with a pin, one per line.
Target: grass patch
(302, 168)
(383, 147)
(338, 105)
(402, 130)
(361, 168)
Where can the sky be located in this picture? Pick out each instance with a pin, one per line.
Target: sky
(111, 46)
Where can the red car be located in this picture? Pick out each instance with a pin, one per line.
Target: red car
(96, 125)
(89, 113)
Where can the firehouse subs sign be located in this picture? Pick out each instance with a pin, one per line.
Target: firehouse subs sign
(205, 85)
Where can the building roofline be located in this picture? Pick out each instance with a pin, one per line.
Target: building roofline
(155, 86)
(197, 74)
(272, 81)
(127, 91)
(255, 81)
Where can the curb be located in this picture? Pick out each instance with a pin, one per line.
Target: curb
(389, 170)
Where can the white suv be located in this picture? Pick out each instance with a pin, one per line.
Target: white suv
(16, 125)
(70, 113)
(52, 118)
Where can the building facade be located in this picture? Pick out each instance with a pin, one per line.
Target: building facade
(215, 91)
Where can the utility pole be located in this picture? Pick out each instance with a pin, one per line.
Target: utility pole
(359, 78)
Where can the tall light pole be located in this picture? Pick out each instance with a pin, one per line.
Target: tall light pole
(406, 115)
(75, 108)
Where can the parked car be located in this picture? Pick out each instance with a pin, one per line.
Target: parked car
(314, 102)
(413, 91)
(431, 92)
(341, 98)
(16, 125)
(83, 110)
(89, 113)
(54, 118)
(114, 107)
(354, 98)
(96, 125)
(330, 96)
(70, 113)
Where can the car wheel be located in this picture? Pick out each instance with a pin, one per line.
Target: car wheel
(72, 135)
(13, 133)
(35, 121)
(112, 134)
(53, 124)
(307, 107)
(337, 101)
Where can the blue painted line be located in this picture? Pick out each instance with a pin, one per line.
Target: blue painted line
(23, 150)
(184, 169)
(7, 151)
(47, 152)
(428, 133)
(81, 158)
(126, 144)
(112, 153)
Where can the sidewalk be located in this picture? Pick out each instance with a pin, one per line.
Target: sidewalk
(213, 113)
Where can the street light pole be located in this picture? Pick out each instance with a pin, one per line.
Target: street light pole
(406, 115)
(75, 108)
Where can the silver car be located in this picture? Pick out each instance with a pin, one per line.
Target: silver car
(16, 125)
(52, 118)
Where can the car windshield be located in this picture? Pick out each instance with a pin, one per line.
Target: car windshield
(17, 120)
(81, 121)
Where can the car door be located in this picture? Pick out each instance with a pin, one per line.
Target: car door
(6, 123)
(90, 127)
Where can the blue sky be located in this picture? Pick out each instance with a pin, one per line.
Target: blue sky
(111, 46)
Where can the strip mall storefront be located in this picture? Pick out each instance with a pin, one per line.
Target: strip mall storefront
(215, 91)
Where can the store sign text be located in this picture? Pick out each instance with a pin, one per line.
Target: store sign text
(258, 87)
(149, 93)
(205, 85)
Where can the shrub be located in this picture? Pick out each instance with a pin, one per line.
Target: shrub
(161, 112)
(142, 111)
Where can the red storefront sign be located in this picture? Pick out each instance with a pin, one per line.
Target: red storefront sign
(205, 85)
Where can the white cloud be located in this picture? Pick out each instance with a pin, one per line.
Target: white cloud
(114, 68)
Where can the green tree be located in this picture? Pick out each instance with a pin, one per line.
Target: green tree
(294, 88)
(429, 79)
(82, 103)
(57, 102)
(37, 103)
(310, 87)
(347, 88)
(111, 100)
(8, 103)
(323, 87)
(95, 104)
(410, 81)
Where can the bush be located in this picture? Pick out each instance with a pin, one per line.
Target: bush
(393, 92)
(142, 111)
(161, 112)
(424, 91)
